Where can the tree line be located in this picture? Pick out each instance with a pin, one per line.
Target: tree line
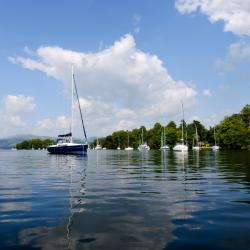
(233, 132)
(34, 144)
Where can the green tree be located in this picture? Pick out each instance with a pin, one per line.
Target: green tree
(232, 133)
(154, 136)
(171, 134)
(34, 144)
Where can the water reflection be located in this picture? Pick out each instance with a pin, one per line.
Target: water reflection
(126, 200)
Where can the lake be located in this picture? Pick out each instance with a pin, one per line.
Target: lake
(125, 200)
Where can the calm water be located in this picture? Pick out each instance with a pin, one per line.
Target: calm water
(125, 200)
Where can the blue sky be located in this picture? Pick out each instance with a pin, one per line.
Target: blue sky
(134, 61)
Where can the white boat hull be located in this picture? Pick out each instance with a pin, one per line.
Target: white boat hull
(215, 148)
(98, 147)
(180, 148)
(129, 149)
(196, 148)
(143, 147)
(164, 148)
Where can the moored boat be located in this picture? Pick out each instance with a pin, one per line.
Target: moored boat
(181, 146)
(164, 146)
(143, 146)
(215, 147)
(64, 143)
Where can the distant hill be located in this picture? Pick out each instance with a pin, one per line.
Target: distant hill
(10, 142)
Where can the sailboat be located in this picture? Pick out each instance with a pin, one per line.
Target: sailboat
(143, 146)
(119, 147)
(98, 146)
(164, 147)
(65, 143)
(181, 147)
(128, 148)
(215, 147)
(197, 147)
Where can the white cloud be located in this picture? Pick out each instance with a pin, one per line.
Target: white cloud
(13, 120)
(207, 93)
(28, 51)
(18, 104)
(48, 126)
(45, 124)
(238, 52)
(136, 22)
(85, 103)
(118, 86)
(62, 122)
(13, 112)
(234, 13)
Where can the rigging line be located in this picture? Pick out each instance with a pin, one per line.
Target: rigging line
(83, 127)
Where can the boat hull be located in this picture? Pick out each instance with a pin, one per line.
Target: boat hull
(196, 148)
(68, 149)
(180, 148)
(164, 148)
(215, 148)
(143, 147)
(129, 149)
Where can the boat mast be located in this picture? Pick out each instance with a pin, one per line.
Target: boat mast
(72, 102)
(128, 138)
(79, 106)
(141, 135)
(196, 135)
(161, 139)
(214, 137)
(182, 124)
(164, 138)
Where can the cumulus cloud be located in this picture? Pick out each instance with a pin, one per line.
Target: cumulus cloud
(234, 13)
(19, 104)
(120, 86)
(136, 22)
(13, 112)
(13, 120)
(48, 126)
(237, 53)
(207, 93)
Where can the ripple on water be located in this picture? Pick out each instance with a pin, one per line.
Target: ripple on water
(125, 200)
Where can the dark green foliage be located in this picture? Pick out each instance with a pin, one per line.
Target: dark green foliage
(35, 144)
(201, 130)
(232, 133)
(171, 134)
(154, 136)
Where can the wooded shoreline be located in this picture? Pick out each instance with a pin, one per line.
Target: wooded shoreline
(233, 132)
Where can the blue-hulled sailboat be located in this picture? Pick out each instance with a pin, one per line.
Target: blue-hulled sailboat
(65, 144)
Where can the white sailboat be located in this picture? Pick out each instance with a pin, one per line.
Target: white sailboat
(196, 147)
(181, 147)
(215, 147)
(119, 147)
(164, 147)
(98, 146)
(128, 148)
(65, 144)
(143, 146)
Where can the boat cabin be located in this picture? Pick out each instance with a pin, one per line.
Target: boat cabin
(66, 138)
